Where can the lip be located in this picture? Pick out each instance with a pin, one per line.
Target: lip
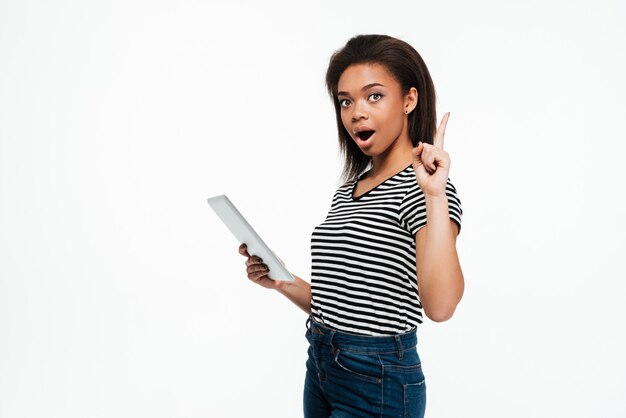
(365, 143)
(361, 128)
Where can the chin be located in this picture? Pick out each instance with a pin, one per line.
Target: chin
(370, 154)
(369, 151)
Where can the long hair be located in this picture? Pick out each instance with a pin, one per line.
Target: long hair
(409, 70)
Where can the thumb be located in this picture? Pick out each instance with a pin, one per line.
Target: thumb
(417, 153)
(243, 250)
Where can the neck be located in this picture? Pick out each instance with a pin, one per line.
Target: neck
(395, 158)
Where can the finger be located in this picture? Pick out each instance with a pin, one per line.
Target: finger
(257, 268)
(441, 131)
(431, 167)
(428, 159)
(252, 260)
(243, 250)
(417, 153)
(257, 275)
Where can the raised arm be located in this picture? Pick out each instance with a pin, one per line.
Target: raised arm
(439, 277)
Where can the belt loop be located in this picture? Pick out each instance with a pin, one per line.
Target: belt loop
(400, 349)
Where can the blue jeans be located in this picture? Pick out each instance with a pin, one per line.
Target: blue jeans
(353, 375)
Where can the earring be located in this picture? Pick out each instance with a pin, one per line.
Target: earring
(406, 111)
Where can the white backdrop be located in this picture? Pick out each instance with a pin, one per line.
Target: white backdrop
(123, 295)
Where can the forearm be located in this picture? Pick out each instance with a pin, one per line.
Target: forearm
(440, 281)
(298, 291)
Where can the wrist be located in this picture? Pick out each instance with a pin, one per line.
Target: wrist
(282, 286)
(436, 197)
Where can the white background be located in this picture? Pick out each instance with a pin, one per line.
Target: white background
(123, 295)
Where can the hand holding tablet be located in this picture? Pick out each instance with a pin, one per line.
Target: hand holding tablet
(257, 271)
(245, 234)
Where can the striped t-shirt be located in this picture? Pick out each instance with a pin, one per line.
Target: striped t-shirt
(363, 275)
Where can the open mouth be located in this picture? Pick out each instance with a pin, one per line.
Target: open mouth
(365, 135)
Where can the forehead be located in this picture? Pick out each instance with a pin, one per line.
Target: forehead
(358, 75)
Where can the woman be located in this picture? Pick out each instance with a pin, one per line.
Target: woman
(390, 232)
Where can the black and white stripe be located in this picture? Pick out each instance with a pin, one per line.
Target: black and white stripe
(363, 277)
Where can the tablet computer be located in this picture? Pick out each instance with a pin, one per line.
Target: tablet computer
(242, 230)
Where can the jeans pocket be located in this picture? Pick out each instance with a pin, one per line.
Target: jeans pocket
(415, 399)
(404, 384)
(366, 367)
(410, 362)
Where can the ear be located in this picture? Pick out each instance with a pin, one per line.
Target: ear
(410, 99)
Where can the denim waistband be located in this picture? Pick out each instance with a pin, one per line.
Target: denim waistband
(361, 343)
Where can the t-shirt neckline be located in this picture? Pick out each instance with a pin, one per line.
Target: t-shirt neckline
(355, 198)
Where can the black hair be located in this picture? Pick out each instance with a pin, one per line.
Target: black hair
(406, 65)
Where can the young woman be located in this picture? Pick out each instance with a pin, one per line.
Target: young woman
(386, 253)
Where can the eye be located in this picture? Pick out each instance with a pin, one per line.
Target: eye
(376, 94)
(341, 102)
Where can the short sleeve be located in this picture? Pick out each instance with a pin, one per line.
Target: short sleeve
(413, 207)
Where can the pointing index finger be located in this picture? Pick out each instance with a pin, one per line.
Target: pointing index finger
(441, 131)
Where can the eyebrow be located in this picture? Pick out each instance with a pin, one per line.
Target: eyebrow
(345, 93)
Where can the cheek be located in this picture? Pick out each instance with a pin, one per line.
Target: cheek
(393, 123)
(346, 122)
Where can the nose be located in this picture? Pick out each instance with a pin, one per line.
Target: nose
(356, 116)
(358, 112)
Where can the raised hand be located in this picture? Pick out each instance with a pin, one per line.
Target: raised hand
(432, 164)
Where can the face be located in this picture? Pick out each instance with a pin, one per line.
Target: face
(373, 108)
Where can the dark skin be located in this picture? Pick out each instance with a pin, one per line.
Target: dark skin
(257, 271)
(297, 291)
(371, 98)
